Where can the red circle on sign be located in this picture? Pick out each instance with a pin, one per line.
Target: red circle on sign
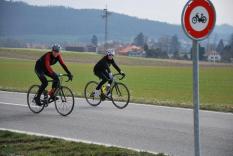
(198, 35)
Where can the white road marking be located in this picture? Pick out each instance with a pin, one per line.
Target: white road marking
(138, 104)
(13, 104)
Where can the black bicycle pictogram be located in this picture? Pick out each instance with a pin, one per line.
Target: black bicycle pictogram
(199, 19)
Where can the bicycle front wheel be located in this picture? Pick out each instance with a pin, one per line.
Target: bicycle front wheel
(31, 94)
(65, 103)
(204, 19)
(89, 94)
(120, 95)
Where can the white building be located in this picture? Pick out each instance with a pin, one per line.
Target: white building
(213, 56)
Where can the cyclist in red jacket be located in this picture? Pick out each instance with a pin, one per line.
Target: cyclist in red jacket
(43, 68)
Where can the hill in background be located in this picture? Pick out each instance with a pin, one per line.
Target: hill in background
(53, 23)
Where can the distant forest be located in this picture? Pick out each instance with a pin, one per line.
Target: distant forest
(21, 21)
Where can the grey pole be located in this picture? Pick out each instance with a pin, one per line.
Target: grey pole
(106, 27)
(105, 16)
(196, 97)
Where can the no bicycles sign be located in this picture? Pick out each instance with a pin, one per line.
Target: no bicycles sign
(198, 19)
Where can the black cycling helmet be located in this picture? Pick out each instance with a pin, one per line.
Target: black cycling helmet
(56, 48)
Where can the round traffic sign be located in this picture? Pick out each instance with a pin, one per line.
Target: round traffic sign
(198, 19)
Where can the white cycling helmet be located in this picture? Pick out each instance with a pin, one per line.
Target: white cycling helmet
(110, 52)
(56, 48)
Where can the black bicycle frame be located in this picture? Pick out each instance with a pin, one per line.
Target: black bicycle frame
(115, 84)
(59, 88)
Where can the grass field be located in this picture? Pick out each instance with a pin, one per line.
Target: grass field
(12, 144)
(150, 81)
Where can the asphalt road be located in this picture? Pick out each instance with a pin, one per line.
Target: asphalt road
(151, 128)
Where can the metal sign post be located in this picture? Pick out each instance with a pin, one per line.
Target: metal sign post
(198, 21)
(196, 96)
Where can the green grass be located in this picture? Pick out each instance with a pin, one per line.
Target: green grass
(80, 57)
(29, 145)
(169, 85)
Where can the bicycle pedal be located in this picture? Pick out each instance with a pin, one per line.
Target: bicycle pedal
(44, 102)
(50, 100)
(53, 99)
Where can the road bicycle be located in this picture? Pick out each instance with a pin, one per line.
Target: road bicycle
(64, 98)
(118, 93)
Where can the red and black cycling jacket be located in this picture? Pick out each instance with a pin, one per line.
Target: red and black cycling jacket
(47, 60)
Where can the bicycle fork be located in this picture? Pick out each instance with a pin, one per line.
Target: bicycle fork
(117, 90)
(62, 95)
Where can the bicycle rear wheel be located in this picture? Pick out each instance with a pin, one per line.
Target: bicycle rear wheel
(89, 93)
(120, 95)
(194, 20)
(32, 93)
(65, 103)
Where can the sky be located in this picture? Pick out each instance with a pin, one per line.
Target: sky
(168, 11)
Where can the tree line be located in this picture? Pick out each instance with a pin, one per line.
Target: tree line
(170, 47)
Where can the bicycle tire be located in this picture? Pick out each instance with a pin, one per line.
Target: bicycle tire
(116, 92)
(32, 91)
(88, 93)
(65, 104)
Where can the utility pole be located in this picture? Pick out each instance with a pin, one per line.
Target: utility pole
(105, 15)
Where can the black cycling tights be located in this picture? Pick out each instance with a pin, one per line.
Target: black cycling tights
(105, 77)
(44, 83)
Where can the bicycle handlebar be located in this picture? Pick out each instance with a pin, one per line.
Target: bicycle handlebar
(61, 75)
(122, 76)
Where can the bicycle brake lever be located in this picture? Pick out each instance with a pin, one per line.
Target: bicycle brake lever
(123, 76)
